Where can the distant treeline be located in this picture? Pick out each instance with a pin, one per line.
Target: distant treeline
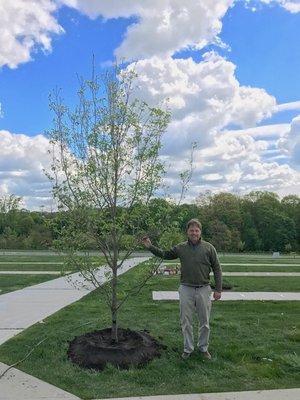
(259, 221)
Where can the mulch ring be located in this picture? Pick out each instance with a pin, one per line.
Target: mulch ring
(95, 349)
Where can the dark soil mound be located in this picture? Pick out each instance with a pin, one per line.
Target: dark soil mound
(95, 349)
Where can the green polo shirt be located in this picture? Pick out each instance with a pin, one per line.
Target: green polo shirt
(196, 262)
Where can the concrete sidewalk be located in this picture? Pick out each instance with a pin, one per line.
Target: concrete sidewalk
(17, 385)
(284, 394)
(25, 307)
(229, 296)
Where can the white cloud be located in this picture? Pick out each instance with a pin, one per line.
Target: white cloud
(212, 177)
(234, 162)
(203, 97)
(290, 5)
(24, 26)
(294, 105)
(272, 131)
(290, 143)
(163, 26)
(22, 159)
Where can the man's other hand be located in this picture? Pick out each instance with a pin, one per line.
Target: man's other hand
(146, 241)
(217, 295)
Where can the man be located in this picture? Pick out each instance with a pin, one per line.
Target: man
(197, 258)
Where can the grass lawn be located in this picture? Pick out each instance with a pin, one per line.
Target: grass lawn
(254, 259)
(30, 267)
(37, 263)
(242, 284)
(264, 284)
(37, 258)
(254, 346)
(265, 258)
(28, 258)
(257, 268)
(253, 268)
(9, 283)
(258, 260)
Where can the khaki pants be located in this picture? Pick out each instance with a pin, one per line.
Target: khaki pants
(195, 300)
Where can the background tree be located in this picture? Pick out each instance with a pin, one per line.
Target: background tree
(219, 235)
(10, 203)
(105, 170)
(24, 229)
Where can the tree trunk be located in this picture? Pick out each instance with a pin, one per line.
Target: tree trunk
(114, 326)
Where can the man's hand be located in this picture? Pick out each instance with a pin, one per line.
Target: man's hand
(217, 295)
(146, 241)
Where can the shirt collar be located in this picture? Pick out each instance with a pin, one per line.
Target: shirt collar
(196, 244)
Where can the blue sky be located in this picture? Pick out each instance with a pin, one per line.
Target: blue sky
(264, 47)
(261, 45)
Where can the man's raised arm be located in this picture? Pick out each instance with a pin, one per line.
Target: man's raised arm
(164, 254)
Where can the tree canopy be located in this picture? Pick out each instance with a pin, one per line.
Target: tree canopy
(259, 221)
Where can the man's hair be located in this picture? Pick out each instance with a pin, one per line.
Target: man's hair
(194, 221)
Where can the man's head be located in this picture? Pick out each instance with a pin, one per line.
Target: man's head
(193, 229)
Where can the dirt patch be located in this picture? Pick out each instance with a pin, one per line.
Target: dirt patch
(95, 349)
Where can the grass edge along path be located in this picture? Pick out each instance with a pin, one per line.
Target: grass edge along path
(254, 346)
(10, 283)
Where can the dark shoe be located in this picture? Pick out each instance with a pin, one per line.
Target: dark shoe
(206, 355)
(185, 355)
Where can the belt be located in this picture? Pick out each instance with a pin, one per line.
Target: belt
(194, 286)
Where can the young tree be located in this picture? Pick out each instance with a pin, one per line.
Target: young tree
(105, 168)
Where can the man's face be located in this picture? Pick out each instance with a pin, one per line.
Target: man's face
(194, 233)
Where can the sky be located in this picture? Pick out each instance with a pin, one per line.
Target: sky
(230, 69)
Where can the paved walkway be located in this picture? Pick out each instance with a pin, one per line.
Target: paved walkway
(277, 296)
(17, 385)
(23, 308)
(285, 394)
